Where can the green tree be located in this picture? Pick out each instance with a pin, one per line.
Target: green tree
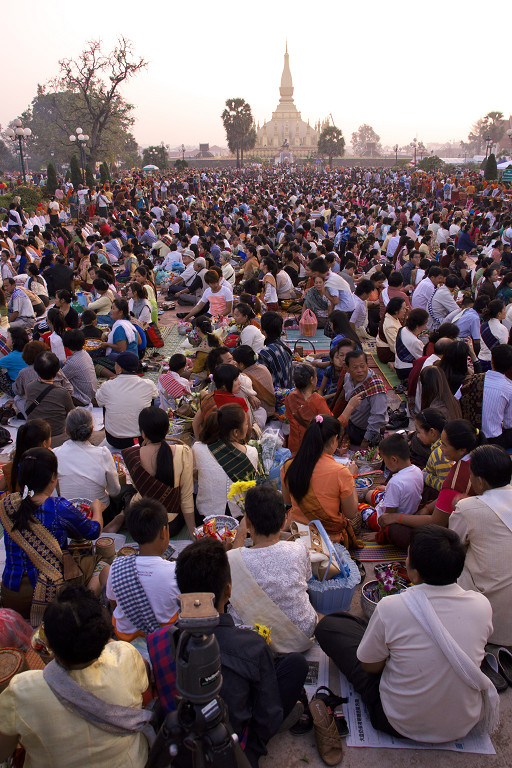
(75, 171)
(491, 168)
(238, 122)
(366, 142)
(492, 125)
(180, 164)
(89, 177)
(331, 143)
(51, 178)
(431, 164)
(96, 77)
(155, 155)
(104, 173)
(248, 143)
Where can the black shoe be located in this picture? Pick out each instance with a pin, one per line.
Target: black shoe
(490, 668)
(181, 315)
(305, 721)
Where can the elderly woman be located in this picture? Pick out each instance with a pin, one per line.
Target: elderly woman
(269, 579)
(86, 471)
(78, 633)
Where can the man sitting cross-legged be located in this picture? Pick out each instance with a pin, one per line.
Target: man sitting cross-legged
(417, 663)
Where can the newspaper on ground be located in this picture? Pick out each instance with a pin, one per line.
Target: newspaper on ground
(362, 734)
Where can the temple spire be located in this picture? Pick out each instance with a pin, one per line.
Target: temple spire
(286, 89)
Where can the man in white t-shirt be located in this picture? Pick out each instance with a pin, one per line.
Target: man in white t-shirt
(144, 587)
(409, 686)
(218, 294)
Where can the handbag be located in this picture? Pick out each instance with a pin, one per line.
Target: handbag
(153, 336)
(320, 553)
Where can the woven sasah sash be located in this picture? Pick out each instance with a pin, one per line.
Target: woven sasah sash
(44, 552)
(370, 387)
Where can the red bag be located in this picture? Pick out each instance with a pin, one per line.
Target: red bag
(232, 340)
(153, 336)
(308, 323)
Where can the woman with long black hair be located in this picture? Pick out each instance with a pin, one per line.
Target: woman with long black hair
(162, 471)
(37, 527)
(317, 487)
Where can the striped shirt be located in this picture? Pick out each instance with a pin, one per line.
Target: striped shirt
(277, 357)
(79, 369)
(497, 404)
(437, 467)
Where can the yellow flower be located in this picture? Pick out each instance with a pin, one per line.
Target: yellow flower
(239, 489)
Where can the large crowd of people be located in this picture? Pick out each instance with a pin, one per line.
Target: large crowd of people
(407, 277)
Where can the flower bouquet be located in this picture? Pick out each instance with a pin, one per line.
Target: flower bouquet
(238, 491)
(368, 458)
(267, 446)
(391, 579)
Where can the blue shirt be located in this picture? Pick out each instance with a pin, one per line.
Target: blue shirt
(13, 363)
(63, 520)
(468, 323)
(120, 335)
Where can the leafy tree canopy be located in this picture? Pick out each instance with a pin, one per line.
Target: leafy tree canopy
(331, 142)
(366, 142)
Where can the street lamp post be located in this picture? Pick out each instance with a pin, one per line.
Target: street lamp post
(183, 153)
(509, 134)
(19, 134)
(396, 153)
(415, 145)
(488, 145)
(82, 139)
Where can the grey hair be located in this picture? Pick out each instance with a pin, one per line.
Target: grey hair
(79, 424)
(201, 263)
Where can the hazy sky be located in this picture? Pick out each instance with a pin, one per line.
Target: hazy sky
(407, 69)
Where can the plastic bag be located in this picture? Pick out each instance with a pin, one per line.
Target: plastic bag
(308, 323)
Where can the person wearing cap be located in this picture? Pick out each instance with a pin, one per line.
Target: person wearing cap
(122, 399)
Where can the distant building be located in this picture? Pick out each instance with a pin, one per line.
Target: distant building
(286, 136)
(204, 151)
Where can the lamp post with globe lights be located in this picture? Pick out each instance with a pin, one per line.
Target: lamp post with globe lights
(82, 139)
(19, 134)
(509, 134)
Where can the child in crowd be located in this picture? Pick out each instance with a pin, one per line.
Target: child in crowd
(332, 373)
(143, 587)
(89, 324)
(173, 384)
(402, 494)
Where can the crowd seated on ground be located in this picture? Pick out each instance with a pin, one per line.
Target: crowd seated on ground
(406, 294)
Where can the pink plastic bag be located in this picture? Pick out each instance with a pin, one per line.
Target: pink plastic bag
(308, 323)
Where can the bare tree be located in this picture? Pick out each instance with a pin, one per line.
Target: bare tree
(97, 77)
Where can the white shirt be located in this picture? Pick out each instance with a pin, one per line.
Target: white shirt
(496, 404)
(253, 337)
(422, 696)
(428, 362)
(158, 579)
(403, 492)
(499, 331)
(218, 301)
(360, 314)
(338, 286)
(422, 294)
(213, 483)
(123, 399)
(86, 472)
(413, 344)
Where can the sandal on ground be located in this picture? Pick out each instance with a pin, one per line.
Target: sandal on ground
(490, 668)
(328, 740)
(504, 658)
(334, 706)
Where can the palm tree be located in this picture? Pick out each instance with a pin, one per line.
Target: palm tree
(238, 122)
